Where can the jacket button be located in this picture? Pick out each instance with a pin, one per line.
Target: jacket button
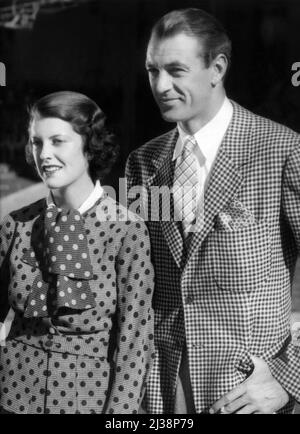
(189, 299)
(48, 343)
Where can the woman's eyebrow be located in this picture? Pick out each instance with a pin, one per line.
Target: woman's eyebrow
(57, 135)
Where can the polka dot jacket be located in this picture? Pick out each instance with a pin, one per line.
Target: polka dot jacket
(79, 361)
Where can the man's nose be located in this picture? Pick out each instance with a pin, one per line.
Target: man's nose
(163, 83)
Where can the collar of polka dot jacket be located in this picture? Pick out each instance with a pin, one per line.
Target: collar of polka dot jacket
(64, 265)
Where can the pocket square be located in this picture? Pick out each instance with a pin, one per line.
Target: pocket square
(233, 217)
(296, 334)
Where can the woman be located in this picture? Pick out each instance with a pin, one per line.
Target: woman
(79, 333)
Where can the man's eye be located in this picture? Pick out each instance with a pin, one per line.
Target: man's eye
(176, 71)
(152, 71)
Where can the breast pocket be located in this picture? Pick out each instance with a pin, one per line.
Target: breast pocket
(241, 260)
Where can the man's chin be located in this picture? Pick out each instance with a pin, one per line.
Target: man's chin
(168, 116)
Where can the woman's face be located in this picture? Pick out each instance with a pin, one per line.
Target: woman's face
(58, 152)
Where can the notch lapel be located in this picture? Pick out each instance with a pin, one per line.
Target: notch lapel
(226, 178)
(163, 177)
(225, 182)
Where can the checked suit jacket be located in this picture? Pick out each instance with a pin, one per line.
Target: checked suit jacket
(228, 295)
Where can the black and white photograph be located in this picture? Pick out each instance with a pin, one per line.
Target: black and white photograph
(149, 209)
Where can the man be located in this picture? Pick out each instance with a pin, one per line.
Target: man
(222, 298)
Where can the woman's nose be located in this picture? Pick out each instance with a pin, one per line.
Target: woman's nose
(46, 151)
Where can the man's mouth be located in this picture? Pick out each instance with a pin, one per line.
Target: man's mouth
(168, 103)
(167, 100)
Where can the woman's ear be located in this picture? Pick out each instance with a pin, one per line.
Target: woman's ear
(88, 156)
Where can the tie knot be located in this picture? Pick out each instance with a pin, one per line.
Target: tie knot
(189, 149)
(189, 144)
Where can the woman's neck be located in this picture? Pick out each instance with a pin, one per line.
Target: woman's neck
(74, 195)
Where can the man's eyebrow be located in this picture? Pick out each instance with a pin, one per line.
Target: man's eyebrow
(174, 64)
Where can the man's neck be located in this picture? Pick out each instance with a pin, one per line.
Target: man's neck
(193, 125)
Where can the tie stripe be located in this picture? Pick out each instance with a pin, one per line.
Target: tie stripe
(185, 186)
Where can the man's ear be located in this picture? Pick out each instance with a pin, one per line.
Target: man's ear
(219, 67)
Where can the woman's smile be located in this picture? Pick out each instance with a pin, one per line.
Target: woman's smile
(50, 169)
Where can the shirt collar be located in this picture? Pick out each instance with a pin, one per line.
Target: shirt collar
(210, 136)
(88, 203)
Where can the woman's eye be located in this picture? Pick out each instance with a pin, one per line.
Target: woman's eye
(57, 141)
(36, 143)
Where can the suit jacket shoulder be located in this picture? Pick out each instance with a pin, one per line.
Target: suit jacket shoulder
(247, 134)
(143, 161)
(156, 145)
(265, 133)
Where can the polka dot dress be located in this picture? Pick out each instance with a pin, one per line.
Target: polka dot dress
(80, 361)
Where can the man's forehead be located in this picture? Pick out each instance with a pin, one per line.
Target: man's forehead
(174, 48)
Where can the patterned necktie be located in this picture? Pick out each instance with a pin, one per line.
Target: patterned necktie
(186, 184)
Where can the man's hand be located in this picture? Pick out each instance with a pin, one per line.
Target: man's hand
(260, 394)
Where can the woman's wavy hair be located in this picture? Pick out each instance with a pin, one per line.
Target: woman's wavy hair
(88, 120)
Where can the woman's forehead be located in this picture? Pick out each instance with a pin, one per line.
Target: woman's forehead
(50, 126)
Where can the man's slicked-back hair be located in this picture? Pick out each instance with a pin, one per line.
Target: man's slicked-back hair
(196, 23)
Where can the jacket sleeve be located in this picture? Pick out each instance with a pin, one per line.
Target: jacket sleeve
(137, 194)
(7, 227)
(135, 335)
(131, 171)
(286, 367)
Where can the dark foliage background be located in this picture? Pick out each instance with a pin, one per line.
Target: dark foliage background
(98, 48)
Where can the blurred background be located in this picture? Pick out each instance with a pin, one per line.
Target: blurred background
(98, 47)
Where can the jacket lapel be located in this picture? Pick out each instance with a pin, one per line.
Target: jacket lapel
(163, 177)
(226, 178)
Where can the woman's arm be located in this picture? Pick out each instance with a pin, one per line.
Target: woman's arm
(135, 337)
(7, 228)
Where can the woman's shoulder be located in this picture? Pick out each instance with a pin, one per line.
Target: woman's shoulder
(19, 222)
(109, 211)
(26, 213)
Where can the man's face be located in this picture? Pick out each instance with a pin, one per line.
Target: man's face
(179, 79)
